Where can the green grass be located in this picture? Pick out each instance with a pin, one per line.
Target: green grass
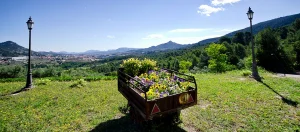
(226, 102)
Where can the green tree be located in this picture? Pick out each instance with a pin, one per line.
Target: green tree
(297, 50)
(269, 53)
(195, 61)
(218, 58)
(238, 38)
(176, 65)
(203, 60)
(296, 24)
(224, 39)
(240, 51)
(185, 66)
(247, 38)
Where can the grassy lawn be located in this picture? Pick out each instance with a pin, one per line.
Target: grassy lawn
(226, 102)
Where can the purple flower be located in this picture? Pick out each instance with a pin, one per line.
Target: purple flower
(181, 80)
(149, 72)
(175, 77)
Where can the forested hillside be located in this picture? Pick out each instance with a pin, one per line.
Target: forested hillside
(274, 23)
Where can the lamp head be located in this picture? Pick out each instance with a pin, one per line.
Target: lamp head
(250, 14)
(30, 23)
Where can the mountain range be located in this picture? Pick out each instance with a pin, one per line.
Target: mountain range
(10, 48)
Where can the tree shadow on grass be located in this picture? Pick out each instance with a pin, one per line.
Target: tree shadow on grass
(284, 99)
(126, 124)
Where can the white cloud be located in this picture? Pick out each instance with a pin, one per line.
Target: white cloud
(154, 36)
(110, 36)
(207, 10)
(188, 30)
(223, 2)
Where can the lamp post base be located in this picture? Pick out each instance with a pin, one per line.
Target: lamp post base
(28, 87)
(29, 82)
(257, 78)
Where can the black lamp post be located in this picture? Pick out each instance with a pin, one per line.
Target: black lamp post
(29, 74)
(255, 74)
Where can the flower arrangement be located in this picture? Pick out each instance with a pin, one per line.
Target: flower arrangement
(156, 83)
(161, 84)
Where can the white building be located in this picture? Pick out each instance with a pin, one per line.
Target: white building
(22, 58)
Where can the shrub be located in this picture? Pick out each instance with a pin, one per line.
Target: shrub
(195, 70)
(39, 72)
(246, 73)
(134, 67)
(184, 66)
(240, 64)
(248, 62)
(131, 66)
(147, 65)
(43, 82)
(79, 83)
(230, 67)
(11, 71)
(205, 69)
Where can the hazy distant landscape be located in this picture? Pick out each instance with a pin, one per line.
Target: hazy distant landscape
(75, 77)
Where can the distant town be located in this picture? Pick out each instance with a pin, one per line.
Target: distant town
(51, 58)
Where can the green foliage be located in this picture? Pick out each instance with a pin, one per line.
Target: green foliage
(238, 38)
(218, 58)
(176, 65)
(225, 39)
(184, 66)
(43, 81)
(239, 51)
(2, 80)
(79, 83)
(297, 50)
(247, 38)
(11, 71)
(246, 73)
(131, 66)
(296, 24)
(38, 73)
(147, 65)
(248, 62)
(47, 72)
(241, 64)
(134, 66)
(270, 55)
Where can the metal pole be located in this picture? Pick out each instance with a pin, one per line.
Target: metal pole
(29, 74)
(255, 74)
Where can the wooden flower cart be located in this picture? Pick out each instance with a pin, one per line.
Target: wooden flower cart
(143, 109)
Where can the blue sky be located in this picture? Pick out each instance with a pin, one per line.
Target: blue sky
(80, 25)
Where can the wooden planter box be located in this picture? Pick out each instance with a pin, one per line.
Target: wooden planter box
(148, 109)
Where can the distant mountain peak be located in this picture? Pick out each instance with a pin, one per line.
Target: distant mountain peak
(165, 46)
(12, 49)
(9, 42)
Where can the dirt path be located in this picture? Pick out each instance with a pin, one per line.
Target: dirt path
(288, 75)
